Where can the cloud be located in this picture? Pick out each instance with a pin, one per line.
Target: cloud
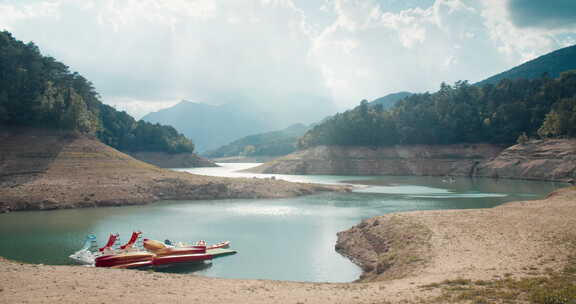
(369, 52)
(171, 50)
(558, 14)
(284, 54)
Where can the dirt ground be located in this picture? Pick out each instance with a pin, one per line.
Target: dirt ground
(43, 169)
(518, 239)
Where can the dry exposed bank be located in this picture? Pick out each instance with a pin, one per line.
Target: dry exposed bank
(176, 160)
(398, 160)
(42, 169)
(402, 254)
(553, 160)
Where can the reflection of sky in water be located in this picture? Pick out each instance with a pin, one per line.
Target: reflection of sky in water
(399, 189)
(232, 170)
(268, 210)
(282, 239)
(459, 195)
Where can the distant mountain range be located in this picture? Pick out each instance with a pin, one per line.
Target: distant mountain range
(533, 100)
(226, 130)
(274, 143)
(278, 143)
(552, 64)
(211, 126)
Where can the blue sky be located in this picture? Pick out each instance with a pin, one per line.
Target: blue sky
(143, 55)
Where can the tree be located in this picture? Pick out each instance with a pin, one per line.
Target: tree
(39, 91)
(551, 125)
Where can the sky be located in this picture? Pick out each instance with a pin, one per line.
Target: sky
(144, 55)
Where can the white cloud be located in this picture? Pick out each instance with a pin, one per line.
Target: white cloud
(367, 52)
(171, 50)
(139, 108)
(146, 54)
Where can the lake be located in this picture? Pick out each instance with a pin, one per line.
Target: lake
(281, 239)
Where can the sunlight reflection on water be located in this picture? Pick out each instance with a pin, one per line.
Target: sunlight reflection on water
(281, 239)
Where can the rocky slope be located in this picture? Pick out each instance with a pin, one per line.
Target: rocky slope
(41, 169)
(178, 160)
(457, 160)
(553, 159)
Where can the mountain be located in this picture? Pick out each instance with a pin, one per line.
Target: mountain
(552, 64)
(212, 126)
(40, 92)
(389, 100)
(274, 143)
(508, 112)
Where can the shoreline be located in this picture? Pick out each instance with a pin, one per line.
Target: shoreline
(49, 170)
(542, 160)
(518, 239)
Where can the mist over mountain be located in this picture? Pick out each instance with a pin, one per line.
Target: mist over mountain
(273, 143)
(212, 126)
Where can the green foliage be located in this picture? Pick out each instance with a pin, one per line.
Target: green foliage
(548, 65)
(461, 113)
(39, 91)
(265, 144)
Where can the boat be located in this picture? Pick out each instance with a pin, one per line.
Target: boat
(139, 264)
(135, 236)
(123, 258)
(111, 241)
(86, 254)
(223, 244)
(180, 258)
(154, 253)
(167, 254)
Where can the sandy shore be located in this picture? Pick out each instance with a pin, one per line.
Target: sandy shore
(519, 239)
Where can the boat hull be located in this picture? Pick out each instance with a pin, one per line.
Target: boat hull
(180, 251)
(123, 258)
(140, 264)
(181, 258)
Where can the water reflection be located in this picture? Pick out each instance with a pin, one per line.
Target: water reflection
(283, 239)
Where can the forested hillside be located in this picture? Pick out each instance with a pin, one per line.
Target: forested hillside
(551, 64)
(389, 100)
(503, 113)
(265, 144)
(39, 91)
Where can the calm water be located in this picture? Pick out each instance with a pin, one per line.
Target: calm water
(283, 239)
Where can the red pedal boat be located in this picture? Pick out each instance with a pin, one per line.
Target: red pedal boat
(180, 258)
(123, 258)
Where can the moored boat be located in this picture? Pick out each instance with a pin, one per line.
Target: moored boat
(139, 264)
(180, 258)
(123, 258)
(155, 254)
(224, 244)
(179, 250)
